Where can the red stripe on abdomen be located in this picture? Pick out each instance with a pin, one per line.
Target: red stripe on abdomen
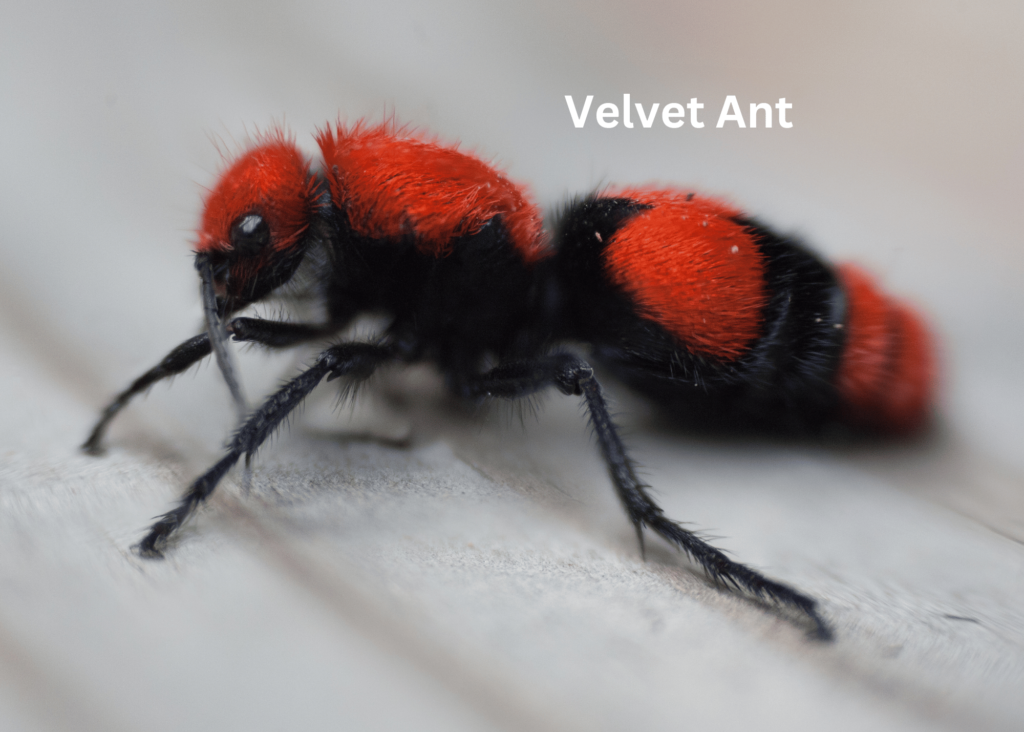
(886, 378)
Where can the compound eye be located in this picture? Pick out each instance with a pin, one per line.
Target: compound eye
(250, 234)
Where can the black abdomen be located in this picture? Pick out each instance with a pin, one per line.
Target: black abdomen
(783, 380)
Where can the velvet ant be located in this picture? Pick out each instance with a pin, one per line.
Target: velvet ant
(682, 297)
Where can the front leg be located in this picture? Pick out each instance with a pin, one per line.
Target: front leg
(572, 375)
(277, 333)
(271, 333)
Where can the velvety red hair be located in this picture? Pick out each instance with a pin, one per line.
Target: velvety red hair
(692, 269)
(887, 374)
(271, 178)
(393, 182)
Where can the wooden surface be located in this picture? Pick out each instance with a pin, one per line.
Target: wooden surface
(404, 564)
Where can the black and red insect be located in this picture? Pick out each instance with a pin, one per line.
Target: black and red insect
(725, 323)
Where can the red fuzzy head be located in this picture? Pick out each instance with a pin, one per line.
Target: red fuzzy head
(271, 179)
(392, 183)
(690, 268)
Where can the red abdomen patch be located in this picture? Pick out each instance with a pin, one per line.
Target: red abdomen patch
(690, 268)
(887, 374)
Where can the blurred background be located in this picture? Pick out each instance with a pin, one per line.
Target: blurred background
(905, 155)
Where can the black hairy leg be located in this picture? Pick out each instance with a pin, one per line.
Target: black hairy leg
(277, 333)
(356, 360)
(271, 333)
(180, 359)
(574, 376)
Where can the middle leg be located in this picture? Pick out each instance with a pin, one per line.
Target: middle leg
(357, 360)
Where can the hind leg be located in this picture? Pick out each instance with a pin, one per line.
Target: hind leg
(574, 376)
